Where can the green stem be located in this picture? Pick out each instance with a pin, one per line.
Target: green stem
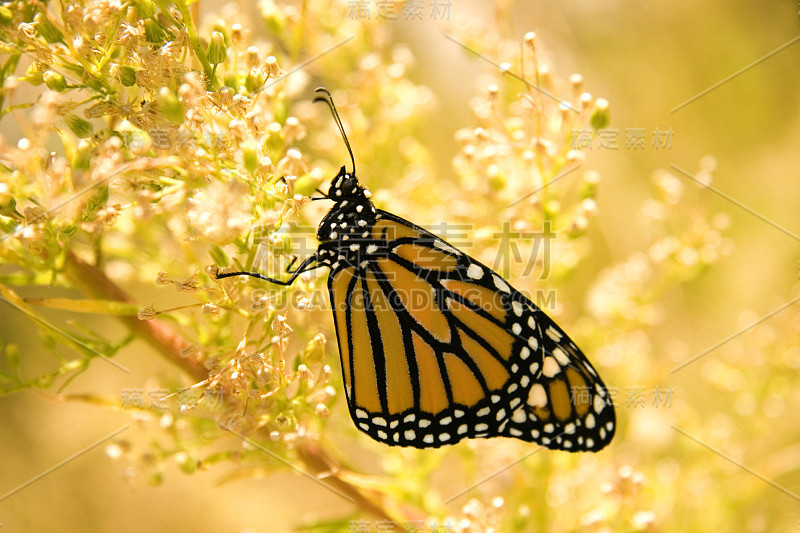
(194, 39)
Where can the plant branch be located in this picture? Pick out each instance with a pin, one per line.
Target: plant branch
(93, 282)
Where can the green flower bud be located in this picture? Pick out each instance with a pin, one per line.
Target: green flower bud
(82, 159)
(600, 114)
(34, 74)
(220, 27)
(146, 8)
(54, 81)
(6, 16)
(250, 156)
(47, 30)
(80, 127)
(255, 80)
(153, 32)
(127, 75)
(170, 106)
(217, 51)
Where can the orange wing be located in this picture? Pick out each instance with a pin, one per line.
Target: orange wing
(436, 347)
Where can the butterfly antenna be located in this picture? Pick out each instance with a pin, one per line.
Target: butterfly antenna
(323, 95)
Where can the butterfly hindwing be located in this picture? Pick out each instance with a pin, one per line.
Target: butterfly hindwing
(436, 347)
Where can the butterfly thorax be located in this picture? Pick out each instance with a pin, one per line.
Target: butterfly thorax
(350, 220)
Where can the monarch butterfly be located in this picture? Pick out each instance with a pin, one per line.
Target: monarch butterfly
(435, 347)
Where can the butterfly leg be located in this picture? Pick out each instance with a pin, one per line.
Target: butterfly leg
(310, 263)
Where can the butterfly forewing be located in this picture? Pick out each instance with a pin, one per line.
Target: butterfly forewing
(436, 347)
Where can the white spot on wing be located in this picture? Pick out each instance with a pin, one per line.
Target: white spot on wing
(537, 397)
(474, 272)
(599, 404)
(550, 367)
(560, 356)
(501, 284)
(553, 334)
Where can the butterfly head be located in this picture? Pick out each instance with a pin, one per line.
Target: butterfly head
(345, 186)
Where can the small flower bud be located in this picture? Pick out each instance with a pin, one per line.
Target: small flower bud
(190, 284)
(47, 30)
(82, 158)
(217, 51)
(304, 373)
(170, 106)
(600, 114)
(252, 59)
(255, 80)
(6, 16)
(153, 32)
(127, 75)
(237, 34)
(272, 67)
(250, 155)
(148, 313)
(146, 8)
(34, 74)
(80, 127)
(54, 81)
